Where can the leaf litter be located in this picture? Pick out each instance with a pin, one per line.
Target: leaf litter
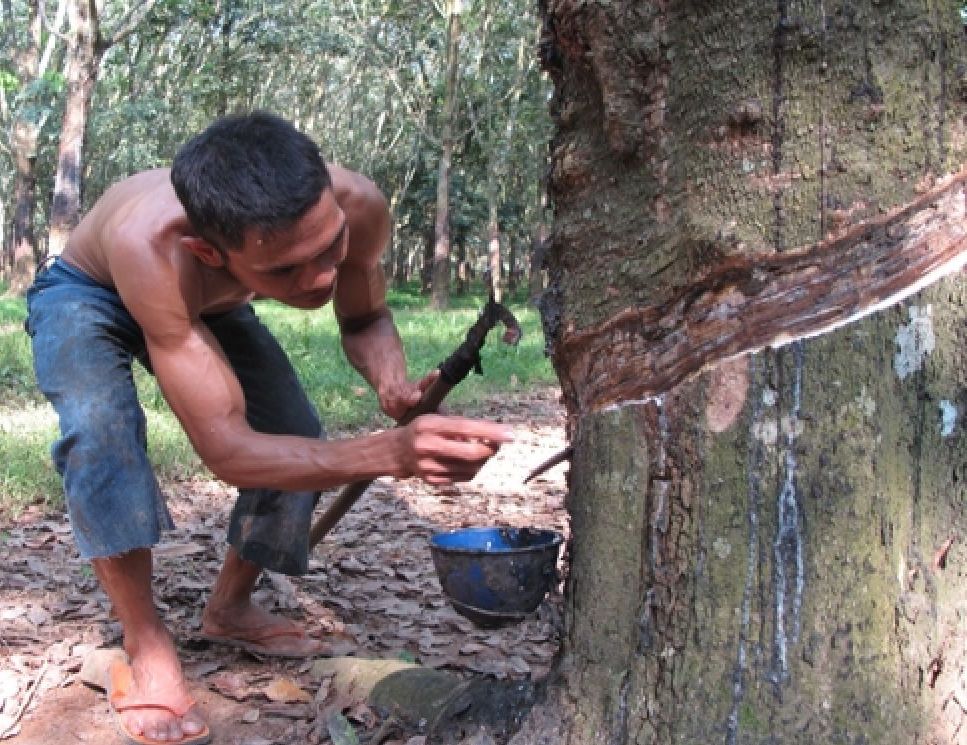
(371, 592)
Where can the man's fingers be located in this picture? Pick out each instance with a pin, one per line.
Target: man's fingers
(459, 428)
(449, 449)
(428, 379)
(450, 472)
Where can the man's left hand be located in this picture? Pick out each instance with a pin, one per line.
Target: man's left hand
(397, 398)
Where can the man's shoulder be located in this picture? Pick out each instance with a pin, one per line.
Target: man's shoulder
(140, 208)
(354, 191)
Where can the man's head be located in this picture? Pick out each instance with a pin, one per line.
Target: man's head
(253, 171)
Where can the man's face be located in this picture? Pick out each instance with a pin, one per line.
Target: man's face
(296, 266)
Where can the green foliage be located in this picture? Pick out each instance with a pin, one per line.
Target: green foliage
(8, 81)
(345, 402)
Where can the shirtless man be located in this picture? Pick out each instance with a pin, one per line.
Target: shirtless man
(162, 269)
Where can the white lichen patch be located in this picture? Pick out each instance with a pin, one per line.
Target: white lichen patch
(914, 341)
(948, 418)
(768, 432)
(866, 403)
(769, 396)
(722, 548)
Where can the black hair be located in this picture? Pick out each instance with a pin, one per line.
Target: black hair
(244, 171)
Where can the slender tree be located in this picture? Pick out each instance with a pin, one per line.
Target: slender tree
(86, 47)
(441, 238)
(32, 52)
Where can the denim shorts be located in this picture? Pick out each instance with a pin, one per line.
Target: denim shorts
(84, 345)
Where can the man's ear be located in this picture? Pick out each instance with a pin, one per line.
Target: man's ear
(204, 251)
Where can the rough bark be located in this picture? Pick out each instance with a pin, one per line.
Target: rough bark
(535, 272)
(758, 549)
(83, 57)
(23, 241)
(30, 63)
(85, 48)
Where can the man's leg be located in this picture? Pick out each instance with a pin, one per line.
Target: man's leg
(83, 344)
(269, 528)
(154, 662)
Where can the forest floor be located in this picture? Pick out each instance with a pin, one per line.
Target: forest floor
(371, 593)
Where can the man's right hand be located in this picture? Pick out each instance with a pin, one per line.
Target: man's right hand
(446, 449)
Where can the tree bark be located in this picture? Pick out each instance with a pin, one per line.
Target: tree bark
(83, 57)
(764, 546)
(21, 253)
(535, 271)
(440, 298)
(23, 257)
(494, 263)
(85, 48)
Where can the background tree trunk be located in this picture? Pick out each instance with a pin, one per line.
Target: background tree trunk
(29, 116)
(535, 269)
(771, 550)
(494, 262)
(441, 250)
(85, 48)
(23, 241)
(83, 57)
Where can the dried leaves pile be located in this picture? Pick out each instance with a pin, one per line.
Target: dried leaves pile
(371, 592)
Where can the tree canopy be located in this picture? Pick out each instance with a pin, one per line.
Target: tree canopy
(366, 78)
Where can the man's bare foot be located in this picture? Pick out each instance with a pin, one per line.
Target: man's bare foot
(151, 698)
(254, 629)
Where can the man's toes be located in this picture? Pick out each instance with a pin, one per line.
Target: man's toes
(157, 731)
(192, 724)
(164, 731)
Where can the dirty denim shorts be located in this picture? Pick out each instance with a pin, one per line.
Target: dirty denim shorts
(84, 345)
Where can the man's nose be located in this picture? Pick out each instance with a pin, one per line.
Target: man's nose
(316, 277)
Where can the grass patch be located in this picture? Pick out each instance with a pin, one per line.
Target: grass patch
(345, 402)
(343, 399)
(12, 310)
(26, 473)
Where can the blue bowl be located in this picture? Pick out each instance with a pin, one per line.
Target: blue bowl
(495, 576)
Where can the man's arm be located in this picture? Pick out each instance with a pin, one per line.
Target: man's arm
(369, 336)
(204, 393)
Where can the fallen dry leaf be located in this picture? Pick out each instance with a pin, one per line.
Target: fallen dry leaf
(231, 685)
(176, 550)
(285, 691)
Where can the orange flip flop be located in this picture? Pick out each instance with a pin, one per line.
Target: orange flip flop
(121, 681)
(274, 642)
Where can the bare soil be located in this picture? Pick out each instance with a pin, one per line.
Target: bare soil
(371, 592)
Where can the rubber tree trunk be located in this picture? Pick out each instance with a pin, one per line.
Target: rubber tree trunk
(31, 63)
(440, 297)
(494, 260)
(23, 257)
(535, 268)
(86, 47)
(83, 57)
(766, 547)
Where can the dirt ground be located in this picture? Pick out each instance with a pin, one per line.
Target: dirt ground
(371, 591)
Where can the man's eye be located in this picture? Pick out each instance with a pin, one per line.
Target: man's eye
(281, 271)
